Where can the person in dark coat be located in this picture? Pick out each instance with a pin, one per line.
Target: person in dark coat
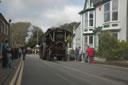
(9, 56)
(4, 54)
(24, 53)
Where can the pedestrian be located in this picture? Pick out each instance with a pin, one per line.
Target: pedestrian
(76, 53)
(9, 56)
(24, 53)
(20, 52)
(90, 53)
(85, 59)
(4, 54)
(80, 54)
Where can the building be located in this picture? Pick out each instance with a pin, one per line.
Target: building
(4, 30)
(102, 15)
(77, 37)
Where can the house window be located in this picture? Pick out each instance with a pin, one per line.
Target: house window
(86, 19)
(91, 18)
(107, 12)
(114, 10)
(86, 39)
(90, 39)
(0, 27)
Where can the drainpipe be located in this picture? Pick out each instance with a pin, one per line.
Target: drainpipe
(127, 22)
(94, 28)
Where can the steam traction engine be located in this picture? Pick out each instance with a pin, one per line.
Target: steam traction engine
(54, 44)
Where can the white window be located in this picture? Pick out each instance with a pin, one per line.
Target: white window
(114, 10)
(7, 30)
(86, 19)
(0, 27)
(4, 29)
(90, 39)
(107, 12)
(86, 40)
(111, 11)
(91, 18)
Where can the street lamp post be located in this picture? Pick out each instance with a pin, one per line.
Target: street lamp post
(37, 39)
(9, 32)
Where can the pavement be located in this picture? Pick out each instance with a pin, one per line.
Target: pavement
(6, 73)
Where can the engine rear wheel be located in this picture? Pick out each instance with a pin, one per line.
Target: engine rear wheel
(59, 58)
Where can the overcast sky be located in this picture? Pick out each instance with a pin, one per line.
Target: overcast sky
(43, 13)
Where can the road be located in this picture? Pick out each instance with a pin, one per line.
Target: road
(40, 72)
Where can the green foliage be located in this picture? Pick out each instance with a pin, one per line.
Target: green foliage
(107, 43)
(111, 48)
(33, 40)
(69, 39)
(121, 52)
(19, 32)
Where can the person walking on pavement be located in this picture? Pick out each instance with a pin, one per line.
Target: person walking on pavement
(80, 54)
(24, 53)
(20, 52)
(85, 56)
(9, 56)
(77, 53)
(90, 52)
(4, 54)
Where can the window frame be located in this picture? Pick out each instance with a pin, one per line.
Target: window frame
(111, 11)
(92, 40)
(115, 10)
(91, 19)
(108, 11)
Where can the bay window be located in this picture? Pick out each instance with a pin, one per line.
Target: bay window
(90, 39)
(107, 12)
(86, 19)
(114, 10)
(91, 18)
(111, 11)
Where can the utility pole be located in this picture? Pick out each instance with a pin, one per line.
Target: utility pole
(37, 39)
(9, 32)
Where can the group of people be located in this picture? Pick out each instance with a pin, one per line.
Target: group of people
(88, 55)
(8, 54)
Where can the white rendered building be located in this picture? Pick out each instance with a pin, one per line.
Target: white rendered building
(101, 15)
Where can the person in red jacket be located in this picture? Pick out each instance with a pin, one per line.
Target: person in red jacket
(90, 52)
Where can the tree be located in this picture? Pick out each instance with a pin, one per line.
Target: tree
(37, 33)
(107, 43)
(19, 32)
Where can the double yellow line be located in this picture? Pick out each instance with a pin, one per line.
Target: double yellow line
(16, 80)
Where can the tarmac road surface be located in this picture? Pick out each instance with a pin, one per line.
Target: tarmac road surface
(40, 72)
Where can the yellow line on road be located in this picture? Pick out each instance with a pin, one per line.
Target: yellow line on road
(20, 75)
(15, 75)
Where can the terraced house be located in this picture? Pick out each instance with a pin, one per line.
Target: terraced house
(4, 30)
(101, 15)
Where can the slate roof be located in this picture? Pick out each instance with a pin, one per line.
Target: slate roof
(95, 1)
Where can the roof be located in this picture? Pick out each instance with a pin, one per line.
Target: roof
(1, 16)
(95, 4)
(95, 1)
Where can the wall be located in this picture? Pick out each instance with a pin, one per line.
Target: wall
(127, 22)
(122, 18)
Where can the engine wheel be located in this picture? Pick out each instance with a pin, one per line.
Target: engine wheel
(59, 58)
